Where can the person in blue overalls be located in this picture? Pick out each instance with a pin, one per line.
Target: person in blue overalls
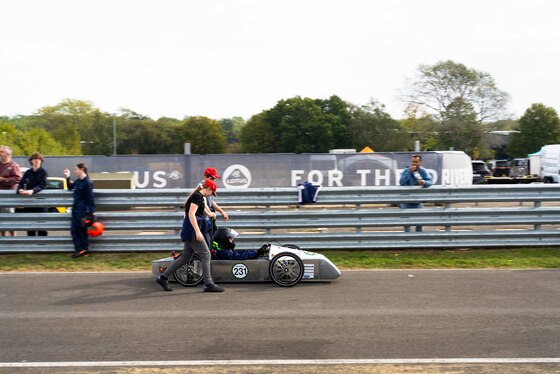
(84, 204)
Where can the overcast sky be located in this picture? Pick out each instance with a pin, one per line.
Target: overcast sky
(226, 58)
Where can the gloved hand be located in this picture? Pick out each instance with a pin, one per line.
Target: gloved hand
(262, 250)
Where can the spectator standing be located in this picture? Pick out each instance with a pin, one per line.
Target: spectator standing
(34, 180)
(84, 204)
(415, 175)
(10, 175)
(195, 228)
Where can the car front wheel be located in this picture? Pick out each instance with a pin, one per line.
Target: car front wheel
(286, 269)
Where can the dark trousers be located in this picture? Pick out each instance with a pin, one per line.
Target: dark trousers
(79, 235)
(189, 249)
(34, 210)
(412, 206)
(39, 233)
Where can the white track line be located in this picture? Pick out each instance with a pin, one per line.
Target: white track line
(411, 361)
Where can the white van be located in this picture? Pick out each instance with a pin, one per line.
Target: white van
(550, 163)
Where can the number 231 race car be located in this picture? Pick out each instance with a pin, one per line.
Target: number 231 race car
(285, 265)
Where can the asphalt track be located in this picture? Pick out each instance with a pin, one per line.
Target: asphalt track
(429, 319)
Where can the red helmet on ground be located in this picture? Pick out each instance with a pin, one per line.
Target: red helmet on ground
(95, 229)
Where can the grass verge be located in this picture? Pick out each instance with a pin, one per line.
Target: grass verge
(519, 258)
(522, 258)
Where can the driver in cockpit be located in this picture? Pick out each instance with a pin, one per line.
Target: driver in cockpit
(223, 246)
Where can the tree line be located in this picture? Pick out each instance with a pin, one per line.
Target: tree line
(448, 106)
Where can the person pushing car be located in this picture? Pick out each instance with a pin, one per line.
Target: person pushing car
(211, 206)
(194, 234)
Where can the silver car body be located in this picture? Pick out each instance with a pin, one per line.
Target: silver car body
(316, 267)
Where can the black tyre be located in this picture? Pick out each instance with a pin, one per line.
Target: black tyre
(190, 274)
(286, 269)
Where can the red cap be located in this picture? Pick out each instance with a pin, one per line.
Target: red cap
(211, 172)
(211, 185)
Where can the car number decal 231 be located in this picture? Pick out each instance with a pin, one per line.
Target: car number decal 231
(240, 271)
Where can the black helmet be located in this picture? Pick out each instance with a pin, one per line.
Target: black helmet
(225, 237)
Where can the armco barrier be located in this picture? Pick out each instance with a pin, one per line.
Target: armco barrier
(343, 218)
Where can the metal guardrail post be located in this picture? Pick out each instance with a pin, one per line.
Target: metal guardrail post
(537, 204)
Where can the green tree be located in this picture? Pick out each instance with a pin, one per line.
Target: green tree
(440, 88)
(258, 136)
(298, 125)
(418, 126)
(460, 129)
(66, 122)
(136, 137)
(39, 140)
(139, 134)
(24, 143)
(142, 135)
(339, 117)
(371, 126)
(307, 125)
(232, 128)
(168, 121)
(205, 135)
(9, 136)
(538, 126)
(456, 96)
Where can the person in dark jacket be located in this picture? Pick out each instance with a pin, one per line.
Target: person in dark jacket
(34, 180)
(84, 204)
(194, 234)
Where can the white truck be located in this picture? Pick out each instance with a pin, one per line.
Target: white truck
(535, 165)
(550, 163)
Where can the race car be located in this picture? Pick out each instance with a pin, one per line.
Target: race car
(286, 265)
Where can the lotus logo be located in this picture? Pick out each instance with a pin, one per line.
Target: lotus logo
(236, 176)
(175, 175)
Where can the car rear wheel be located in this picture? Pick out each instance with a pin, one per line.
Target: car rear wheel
(190, 274)
(286, 269)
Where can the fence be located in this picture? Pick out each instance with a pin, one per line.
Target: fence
(343, 218)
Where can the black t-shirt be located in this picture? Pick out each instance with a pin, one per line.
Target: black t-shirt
(195, 198)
